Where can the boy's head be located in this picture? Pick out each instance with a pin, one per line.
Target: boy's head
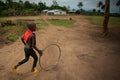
(31, 26)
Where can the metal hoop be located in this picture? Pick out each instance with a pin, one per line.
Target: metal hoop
(54, 65)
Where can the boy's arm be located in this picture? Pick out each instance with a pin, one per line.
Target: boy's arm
(34, 44)
(23, 41)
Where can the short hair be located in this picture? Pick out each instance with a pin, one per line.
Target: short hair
(30, 25)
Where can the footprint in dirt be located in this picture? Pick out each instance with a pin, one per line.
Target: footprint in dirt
(2, 67)
(86, 57)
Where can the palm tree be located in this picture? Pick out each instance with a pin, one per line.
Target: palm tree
(118, 4)
(9, 3)
(94, 10)
(99, 5)
(103, 7)
(80, 5)
(106, 17)
(55, 3)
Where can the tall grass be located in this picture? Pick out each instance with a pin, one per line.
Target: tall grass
(41, 24)
(12, 37)
(98, 20)
(62, 22)
(12, 33)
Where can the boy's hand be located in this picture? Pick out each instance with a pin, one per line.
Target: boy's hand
(40, 52)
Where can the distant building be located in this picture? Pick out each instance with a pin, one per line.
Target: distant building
(71, 12)
(45, 11)
(56, 12)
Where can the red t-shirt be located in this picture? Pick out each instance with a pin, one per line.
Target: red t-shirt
(26, 35)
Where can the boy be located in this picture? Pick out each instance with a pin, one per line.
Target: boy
(29, 40)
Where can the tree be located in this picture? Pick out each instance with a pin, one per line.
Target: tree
(80, 5)
(27, 5)
(100, 3)
(34, 6)
(106, 17)
(21, 7)
(55, 3)
(64, 8)
(94, 10)
(21, 4)
(118, 4)
(101, 6)
(15, 8)
(2, 6)
(9, 3)
(41, 6)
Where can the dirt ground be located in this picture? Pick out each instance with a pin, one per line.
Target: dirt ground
(86, 55)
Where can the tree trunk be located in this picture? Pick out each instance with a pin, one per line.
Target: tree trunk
(106, 17)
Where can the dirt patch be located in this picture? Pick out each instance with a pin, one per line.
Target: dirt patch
(85, 54)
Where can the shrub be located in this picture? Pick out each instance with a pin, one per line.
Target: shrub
(4, 13)
(28, 12)
(62, 22)
(12, 37)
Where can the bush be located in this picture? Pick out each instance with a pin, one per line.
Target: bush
(4, 13)
(12, 37)
(28, 12)
(41, 24)
(62, 22)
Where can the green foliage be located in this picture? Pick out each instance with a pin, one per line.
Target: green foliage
(27, 5)
(101, 6)
(100, 3)
(12, 37)
(114, 21)
(41, 24)
(55, 3)
(13, 32)
(41, 6)
(62, 22)
(11, 8)
(11, 11)
(28, 11)
(4, 13)
(14, 29)
(118, 3)
(98, 20)
(80, 4)
(2, 5)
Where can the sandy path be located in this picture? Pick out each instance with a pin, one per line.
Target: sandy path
(85, 55)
